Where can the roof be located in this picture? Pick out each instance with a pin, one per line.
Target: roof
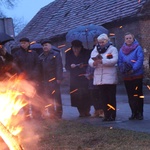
(60, 16)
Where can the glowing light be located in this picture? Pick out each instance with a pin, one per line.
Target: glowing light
(133, 61)
(60, 46)
(73, 91)
(148, 87)
(112, 34)
(53, 91)
(111, 107)
(48, 105)
(81, 75)
(141, 96)
(51, 79)
(67, 50)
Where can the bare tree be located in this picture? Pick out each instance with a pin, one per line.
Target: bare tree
(19, 23)
(8, 3)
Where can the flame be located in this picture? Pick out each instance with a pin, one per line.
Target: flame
(11, 102)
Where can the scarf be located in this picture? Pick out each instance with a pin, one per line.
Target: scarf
(102, 49)
(127, 49)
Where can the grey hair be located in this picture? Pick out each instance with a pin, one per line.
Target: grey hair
(103, 37)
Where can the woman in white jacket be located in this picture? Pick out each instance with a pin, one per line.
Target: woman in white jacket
(104, 58)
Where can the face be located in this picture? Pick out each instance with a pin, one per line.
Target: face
(129, 39)
(47, 47)
(24, 44)
(102, 42)
(76, 50)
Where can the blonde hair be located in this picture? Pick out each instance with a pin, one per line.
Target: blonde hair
(103, 37)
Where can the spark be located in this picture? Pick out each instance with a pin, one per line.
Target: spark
(110, 106)
(73, 91)
(67, 50)
(60, 46)
(53, 92)
(81, 75)
(141, 96)
(133, 61)
(51, 79)
(48, 105)
(148, 87)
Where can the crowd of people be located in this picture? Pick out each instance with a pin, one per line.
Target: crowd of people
(93, 75)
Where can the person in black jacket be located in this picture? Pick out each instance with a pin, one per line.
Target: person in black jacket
(51, 71)
(6, 64)
(76, 63)
(26, 61)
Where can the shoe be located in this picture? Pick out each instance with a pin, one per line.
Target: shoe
(105, 119)
(139, 116)
(132, 117)
(82, 115)
(111, 119)
(87, 114)
(96, 114)
(101, 113)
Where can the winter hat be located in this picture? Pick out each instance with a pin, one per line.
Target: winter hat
(46, 41)
(76, 43)
(24, 40)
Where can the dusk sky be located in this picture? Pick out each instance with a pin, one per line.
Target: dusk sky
(26, 9)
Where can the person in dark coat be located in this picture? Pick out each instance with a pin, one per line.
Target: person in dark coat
(51, 71)
(6, 64)
(26, 61)
(76, 64)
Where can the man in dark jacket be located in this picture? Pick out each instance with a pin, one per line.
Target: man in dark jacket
(51, 70)
(26, 61)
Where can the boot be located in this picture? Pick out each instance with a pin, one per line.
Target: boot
(132, 117)
(96, 114)
(101, 113)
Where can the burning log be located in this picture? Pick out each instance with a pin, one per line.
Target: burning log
(9, 139)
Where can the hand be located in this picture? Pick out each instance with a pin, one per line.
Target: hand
(2, 50)
(130, 72)
(96, 62)
(58, 81)
(73, 65)
(81, 65)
